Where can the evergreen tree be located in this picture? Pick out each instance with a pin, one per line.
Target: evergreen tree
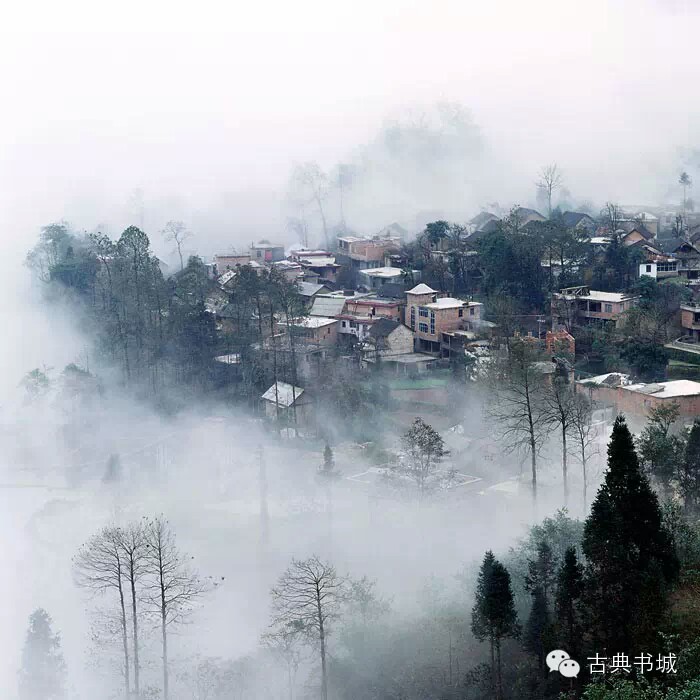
(42, 675)
(689, 472)
(539, 582)
(568, 602)
(630, 555)
(493, 615)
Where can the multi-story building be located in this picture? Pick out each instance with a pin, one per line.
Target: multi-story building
(690, 319)
(429, 316)
(579, 306)
(363, 252)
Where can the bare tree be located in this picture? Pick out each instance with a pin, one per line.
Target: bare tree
(551, 179)
(172, 589)
(311, 184)
(558, 410)
(584, 437)
(516, 404)
(611, 217)
(175, 231)
(132, 543)
(308, 595)
(100, 567)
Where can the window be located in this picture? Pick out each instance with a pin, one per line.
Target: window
(344, 323)
(432, 323)
(353, 324)
(594, 306)
(461, 313)
(608, 308)
(423, 312)
(413, 318)
(471, 310)
(258, 253)
(648, 268)
(423, 327)
(666, 266)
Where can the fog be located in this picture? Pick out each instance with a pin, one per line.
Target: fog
(204, 111)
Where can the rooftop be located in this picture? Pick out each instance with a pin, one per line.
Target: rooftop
(594, 295)
(662, 390)
(421, 289)
(283, 395)
(447, 303)
(308, 289)
(327, 306)
(314, 322)
(385, 272)
(316, 260)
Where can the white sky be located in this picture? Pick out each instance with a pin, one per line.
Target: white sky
(194, 100)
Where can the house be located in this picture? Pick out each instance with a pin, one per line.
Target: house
(377, 277)
(577, 306)
(319, 262)
(690, 320)
(429, 316)
(291, 271)
(363, 252)
(288, 404)
(229, 261)
(480, 220)
(632, 232)
(636, 399)
(579, 221)
(386, 340)
(315, 330)
(266, 252)
(687, 256)
(557, 342)
(361, 313)
(527, 216)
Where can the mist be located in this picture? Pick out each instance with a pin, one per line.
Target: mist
(160, 113)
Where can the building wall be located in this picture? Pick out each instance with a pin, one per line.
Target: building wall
(367, 308)
(399, 342)
(229, 262)
(638, 405)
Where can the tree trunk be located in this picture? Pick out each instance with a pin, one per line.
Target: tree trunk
(564, 466)
(132, 581)
(499, 679)
(322, 638)
(127, 675)
(493, 665)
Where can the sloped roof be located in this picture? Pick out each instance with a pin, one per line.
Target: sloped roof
(327, 306)
(482, 218)
(383, 328)
(421, 289)
(308, 289)
(629, 226)
(285, 395)
(571, 219)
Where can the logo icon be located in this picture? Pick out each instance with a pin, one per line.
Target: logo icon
(559, 660)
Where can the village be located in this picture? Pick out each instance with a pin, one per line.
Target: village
(418, 309)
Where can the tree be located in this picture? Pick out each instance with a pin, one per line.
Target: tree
(567, 603)
(558, 411)
(172, 589)
(42, 675)
(132, 542)
(516, 405)
(493, 615)
(309, 185)
(584, 438)
(685, 182)
(539, 582)
(551, 179)
(176, 232)
(689, 472)
(660, 451)
(308, 595)
(100, 567)
(284, 643)
(629, 553)
(424, 449)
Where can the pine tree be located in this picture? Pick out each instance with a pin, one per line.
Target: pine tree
(689, 472)
(630, 555)
(493, 615)
(568, 602)
(539, 582)
(42, 675)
